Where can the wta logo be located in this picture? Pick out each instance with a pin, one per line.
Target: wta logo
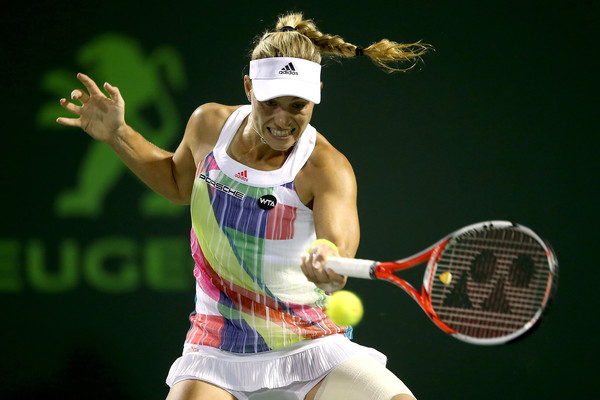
(267, 202)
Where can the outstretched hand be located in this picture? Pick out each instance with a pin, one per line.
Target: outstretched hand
(100, 116)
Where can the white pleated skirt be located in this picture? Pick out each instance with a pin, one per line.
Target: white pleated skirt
(301, 362)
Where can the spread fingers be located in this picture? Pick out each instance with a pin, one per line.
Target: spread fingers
(80, 95)
(67, 105)
(89, 84)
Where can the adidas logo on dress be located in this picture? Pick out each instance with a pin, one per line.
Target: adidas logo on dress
(242, 175)
(288, 70)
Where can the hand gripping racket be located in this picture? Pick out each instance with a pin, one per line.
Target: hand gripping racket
(485, 284)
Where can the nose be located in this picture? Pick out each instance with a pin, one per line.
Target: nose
(283, 118)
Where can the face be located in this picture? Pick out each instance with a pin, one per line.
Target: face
(282, 120)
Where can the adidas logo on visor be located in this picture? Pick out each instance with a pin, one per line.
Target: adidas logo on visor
(286, 76)
(288, 70)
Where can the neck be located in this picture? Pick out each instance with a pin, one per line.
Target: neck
(249, 148)
(262, 139)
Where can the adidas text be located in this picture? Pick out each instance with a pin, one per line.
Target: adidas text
(242, 175)
(288, 70)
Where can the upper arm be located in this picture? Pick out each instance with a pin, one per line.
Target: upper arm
(334, 192)
(184, 169)
(201, 134)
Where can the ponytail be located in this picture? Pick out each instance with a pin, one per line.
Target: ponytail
(300, 38)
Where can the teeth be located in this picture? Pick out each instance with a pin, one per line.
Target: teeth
(281, 133)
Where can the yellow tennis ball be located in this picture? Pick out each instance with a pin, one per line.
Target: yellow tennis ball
(446, 277)
(344, 308)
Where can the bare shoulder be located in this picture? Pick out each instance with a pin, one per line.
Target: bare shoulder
(208, 119)
(326, 158)
(204, 127)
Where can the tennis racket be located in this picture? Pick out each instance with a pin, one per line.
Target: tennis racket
(485, 284)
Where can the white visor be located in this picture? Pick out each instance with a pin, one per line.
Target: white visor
(286, 76)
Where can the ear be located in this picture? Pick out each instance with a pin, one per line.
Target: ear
(248, 87)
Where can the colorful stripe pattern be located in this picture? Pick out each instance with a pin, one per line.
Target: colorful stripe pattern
(251, 294)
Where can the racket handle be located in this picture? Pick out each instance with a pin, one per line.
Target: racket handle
(353, 267)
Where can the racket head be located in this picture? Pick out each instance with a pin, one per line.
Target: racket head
(490, 283)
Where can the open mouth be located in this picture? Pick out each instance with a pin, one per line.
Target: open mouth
(284, 134)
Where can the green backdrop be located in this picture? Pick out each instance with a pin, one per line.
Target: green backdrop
(95, 275)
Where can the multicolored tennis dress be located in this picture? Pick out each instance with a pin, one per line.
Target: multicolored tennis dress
(258, 322)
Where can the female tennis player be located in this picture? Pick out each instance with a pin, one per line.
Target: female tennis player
(267, 193)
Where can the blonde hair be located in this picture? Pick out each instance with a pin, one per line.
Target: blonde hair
(307, 42)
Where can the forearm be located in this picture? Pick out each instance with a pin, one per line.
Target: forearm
(343, 231)
(154, 166)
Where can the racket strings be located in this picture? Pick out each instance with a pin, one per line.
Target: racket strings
(500, 278)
